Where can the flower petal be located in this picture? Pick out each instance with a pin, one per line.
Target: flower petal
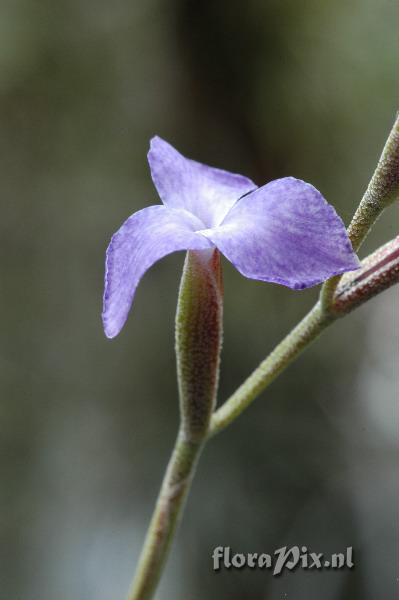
(285, 232)
(206, 192)
(144, 238)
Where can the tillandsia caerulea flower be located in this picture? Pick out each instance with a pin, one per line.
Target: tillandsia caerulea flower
(283, 232)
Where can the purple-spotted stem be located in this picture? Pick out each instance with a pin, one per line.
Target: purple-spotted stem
(378, 272)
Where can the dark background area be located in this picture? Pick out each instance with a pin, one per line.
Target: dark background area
(266, 89)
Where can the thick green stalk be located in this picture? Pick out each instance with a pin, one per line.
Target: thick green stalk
(199, 340)
(198, 345)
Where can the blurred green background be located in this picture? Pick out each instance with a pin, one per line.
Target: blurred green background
(267, 89)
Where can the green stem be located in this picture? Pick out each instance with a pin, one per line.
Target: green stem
(282, 356)
(165, 519)
(382, 191)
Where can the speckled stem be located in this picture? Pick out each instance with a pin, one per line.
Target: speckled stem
(382, 191)
(198, 345)
(378, 272)
(199, 340)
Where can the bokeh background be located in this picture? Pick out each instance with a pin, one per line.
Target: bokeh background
(267, 89)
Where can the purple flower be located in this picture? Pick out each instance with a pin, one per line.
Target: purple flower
(283, 232)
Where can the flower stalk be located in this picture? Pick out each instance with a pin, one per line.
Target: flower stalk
(198, 346)
(199, 340)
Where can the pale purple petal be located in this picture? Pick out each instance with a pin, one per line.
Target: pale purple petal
(206, 192)
(144, 238)
(285, 232)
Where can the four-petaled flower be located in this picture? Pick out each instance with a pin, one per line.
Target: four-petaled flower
(283, 232)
